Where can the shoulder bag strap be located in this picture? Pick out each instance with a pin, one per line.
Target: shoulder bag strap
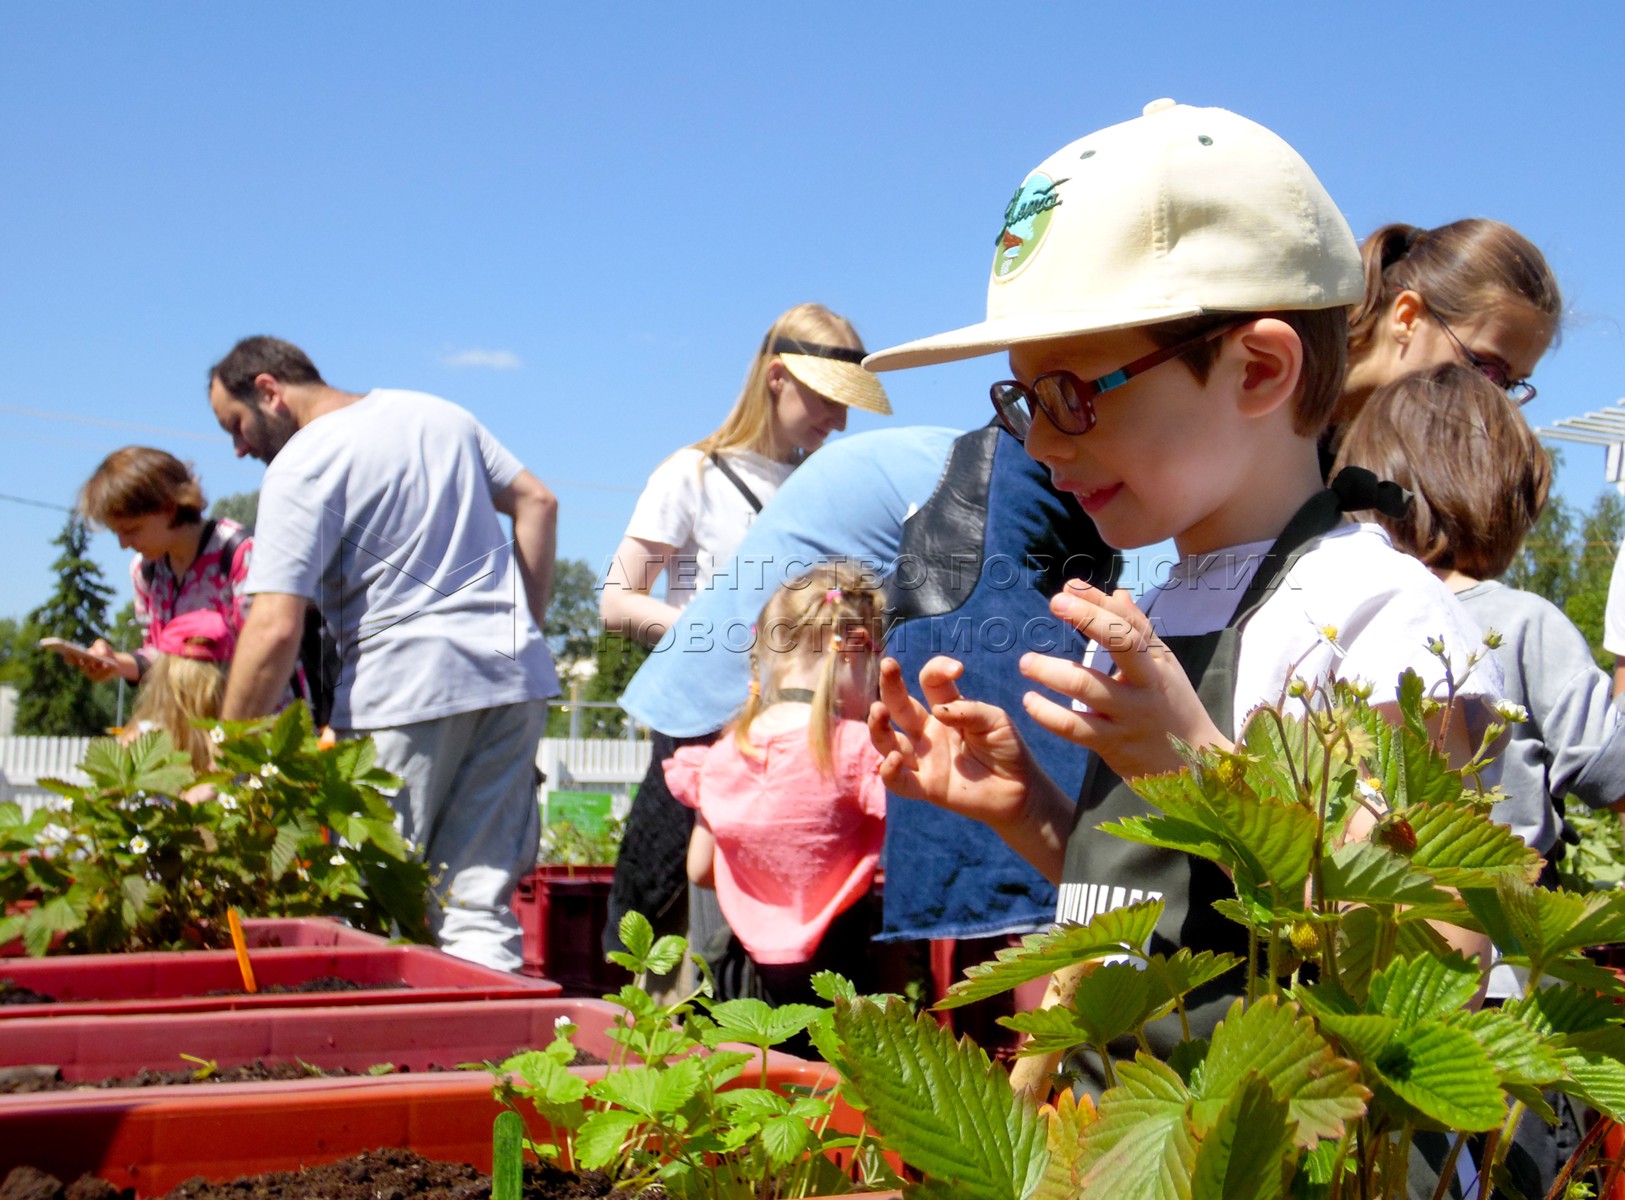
(733, 478)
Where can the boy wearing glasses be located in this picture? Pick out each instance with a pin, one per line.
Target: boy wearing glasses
(1173, 294)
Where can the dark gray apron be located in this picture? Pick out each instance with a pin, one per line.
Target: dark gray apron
(1188, 885)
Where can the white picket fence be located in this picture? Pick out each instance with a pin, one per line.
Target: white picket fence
(610, 765)
(24, 761)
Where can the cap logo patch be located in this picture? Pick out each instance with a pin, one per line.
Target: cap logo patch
(1026, 219)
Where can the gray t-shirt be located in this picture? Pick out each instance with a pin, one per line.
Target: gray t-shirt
(1570, 746)
(381, 514)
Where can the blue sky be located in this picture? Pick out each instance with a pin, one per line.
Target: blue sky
(577, 221)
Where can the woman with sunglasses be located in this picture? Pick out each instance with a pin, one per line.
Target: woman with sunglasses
(1475, 291)
(690, 518)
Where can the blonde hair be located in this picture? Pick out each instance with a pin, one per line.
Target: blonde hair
(833, 605)
(175, 691)
(139, 480)
(749, 426)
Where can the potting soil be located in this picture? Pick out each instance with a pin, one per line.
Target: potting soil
(16, 1081)
(377, 1175)
(322, 983)
(11, 993)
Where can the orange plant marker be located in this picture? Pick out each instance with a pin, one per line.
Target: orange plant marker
(241, 947)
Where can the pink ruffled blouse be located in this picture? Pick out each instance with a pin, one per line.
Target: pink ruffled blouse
(795, 848)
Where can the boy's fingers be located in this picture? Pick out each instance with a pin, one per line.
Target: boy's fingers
(1117, 625)
(884, 737)
(1068, 678)
(900, 708)
(939, 680)
(1089, 730)
(970, 717)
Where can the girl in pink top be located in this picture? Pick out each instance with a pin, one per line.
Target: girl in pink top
(791, 810)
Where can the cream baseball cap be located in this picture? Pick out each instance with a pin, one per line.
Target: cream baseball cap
(1176, 213)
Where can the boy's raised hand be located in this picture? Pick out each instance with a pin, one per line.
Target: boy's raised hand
(1134, 710)
(960, 754)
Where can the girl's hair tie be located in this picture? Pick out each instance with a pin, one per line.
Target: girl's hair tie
(755, 690)
(831, 596)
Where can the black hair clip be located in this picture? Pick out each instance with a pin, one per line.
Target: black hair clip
(1359, 489)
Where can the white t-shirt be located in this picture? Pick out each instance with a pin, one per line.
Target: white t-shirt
(1384, 605)
(691, 505)
(1613, 616)
(380, 512)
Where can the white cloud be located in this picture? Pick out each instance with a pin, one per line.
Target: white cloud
(496, 360)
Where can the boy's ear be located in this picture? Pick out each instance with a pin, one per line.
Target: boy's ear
(1271, 365)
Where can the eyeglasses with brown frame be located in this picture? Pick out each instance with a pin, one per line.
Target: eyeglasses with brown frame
(1068, 401)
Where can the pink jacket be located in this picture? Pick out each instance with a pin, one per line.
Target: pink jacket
(794, 848)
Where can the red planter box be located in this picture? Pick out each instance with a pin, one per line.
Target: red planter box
(154, 1142)
(265, 932)
(413, 1037)
(562, 912)
(88, 984)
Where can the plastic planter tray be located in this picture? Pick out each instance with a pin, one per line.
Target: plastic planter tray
(89, 984)
(413, 1037)
(562, 912)
(265, 932)
(154, 1139)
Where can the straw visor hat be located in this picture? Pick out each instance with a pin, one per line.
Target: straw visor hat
(1179, 212)
(834, 372)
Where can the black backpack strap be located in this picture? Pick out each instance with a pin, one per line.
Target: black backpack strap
(229, 547)
(733, 478)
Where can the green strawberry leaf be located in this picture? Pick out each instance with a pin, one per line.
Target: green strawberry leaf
(1444, 1074)
(1250, 1148)
(1280, 1045)
(1364, 873)
(942, 1106)
(757, 1023)
(1142, 1146)
(1040, 954)
(1461, 848)
(1416, 989)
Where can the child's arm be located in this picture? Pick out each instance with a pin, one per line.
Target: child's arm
(967, 757)
(702, 855)
(1134, 711)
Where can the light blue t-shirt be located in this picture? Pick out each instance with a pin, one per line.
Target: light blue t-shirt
(849, 500)
(381, 514)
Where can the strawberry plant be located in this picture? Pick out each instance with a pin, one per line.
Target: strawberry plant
(677, 1108)
(150, 854)
(1354, 846)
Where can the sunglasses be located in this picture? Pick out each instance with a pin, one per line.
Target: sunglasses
(1069, 402)
(1519, 391)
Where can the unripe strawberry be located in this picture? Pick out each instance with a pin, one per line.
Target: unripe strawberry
(1305, 938)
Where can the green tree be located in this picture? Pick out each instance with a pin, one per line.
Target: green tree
(1600, 535)
(615, 659)
(1545, 564)
(55, 698)
(14, 643)
(572, 614)
(241, 507)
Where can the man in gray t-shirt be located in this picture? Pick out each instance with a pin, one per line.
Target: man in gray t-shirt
(382, 510)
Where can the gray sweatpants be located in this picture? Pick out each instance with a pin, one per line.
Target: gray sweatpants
(469, 802)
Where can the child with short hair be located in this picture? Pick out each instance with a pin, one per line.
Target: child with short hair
(1479, 478)
(791, 810)
(1194, 248)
